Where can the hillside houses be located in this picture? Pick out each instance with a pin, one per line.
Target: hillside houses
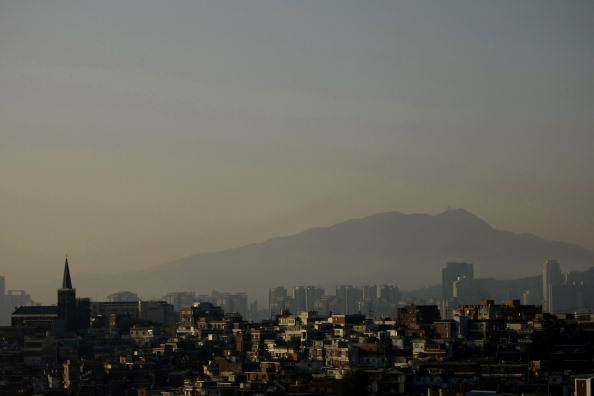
(507, 348)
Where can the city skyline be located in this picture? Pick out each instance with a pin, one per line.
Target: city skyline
(409, 347)
(555, 292)
(406, 250)
(139, 133)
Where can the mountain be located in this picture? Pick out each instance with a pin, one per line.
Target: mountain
(385, 248)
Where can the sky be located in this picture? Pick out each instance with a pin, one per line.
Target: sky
(134, 133)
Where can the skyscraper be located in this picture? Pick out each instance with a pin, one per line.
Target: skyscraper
(551, 276)
(277, 300)
(299, 299)
(304, 297)
(349, 296)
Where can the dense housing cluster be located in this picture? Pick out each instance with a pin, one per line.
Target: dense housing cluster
(155, 348)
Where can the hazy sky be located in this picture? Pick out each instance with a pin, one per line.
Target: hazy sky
(133, 133)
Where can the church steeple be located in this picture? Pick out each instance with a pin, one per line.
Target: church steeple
(66, 281)
(67, 301)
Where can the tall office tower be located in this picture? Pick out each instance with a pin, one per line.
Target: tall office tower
(386, 300)
(551, 276)
(231, 302)
(299, 299)
(451, 273)
(223, 300)
(253, 313)
(368, 292)
(388, 292)
(67, 300)
(278, 300)
(314, 293)
(305, 297)
(239, 303)
(348, 297)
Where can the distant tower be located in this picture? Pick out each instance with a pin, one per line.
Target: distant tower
(67, 300)
(299, 299)
(348, 296)
(451, 273)
(277, 300)
(551, 276)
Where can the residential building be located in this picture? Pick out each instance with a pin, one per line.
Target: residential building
(511, 310)
(42, 317)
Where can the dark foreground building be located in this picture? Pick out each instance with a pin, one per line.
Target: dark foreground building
(71, 314)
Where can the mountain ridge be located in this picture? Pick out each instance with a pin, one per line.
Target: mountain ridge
(408, 250)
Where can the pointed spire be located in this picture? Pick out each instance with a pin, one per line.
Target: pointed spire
(66, 282)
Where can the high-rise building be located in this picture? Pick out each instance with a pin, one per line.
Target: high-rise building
(122, 296)
(314, 293)
(180, 299)
(230, 302)
(305, 297)
(349, 297)
(239, 303)
(551, 276)
(451, 273)
(387, 292)
(466, 290)
(299, 299)
(278, 300)
(386, 300)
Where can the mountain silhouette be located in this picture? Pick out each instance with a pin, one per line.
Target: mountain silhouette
(408, 250)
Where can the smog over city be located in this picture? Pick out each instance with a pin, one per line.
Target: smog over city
(241, 146)
(259, 197)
